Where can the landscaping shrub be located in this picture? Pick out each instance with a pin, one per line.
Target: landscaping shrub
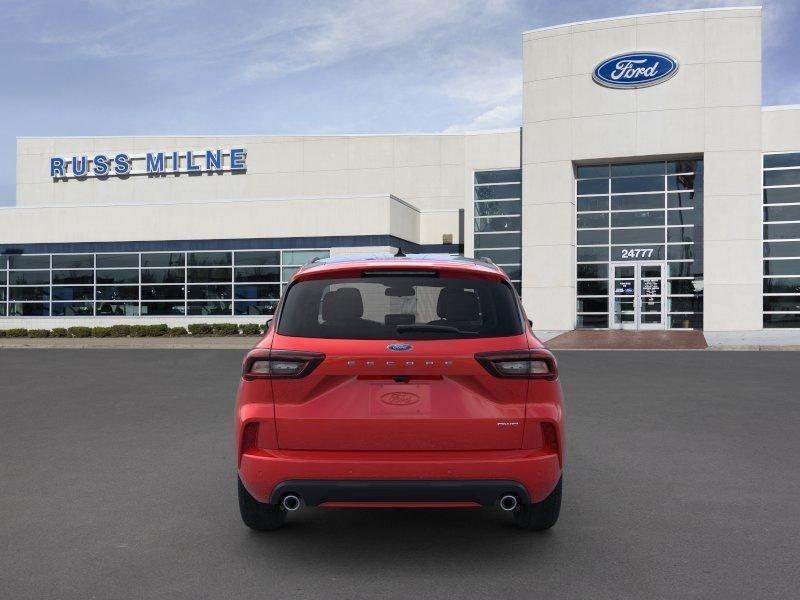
(120, 330)
(177, 331)
(225, 329)
(2, 333)
(157, 330)
(250, 329)
(101, 332)
(16, 332)
(201, 329)
(80, 332)
(138, 331)
(38, 333)
(59, 332)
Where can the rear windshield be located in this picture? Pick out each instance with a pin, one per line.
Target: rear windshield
(399, 307)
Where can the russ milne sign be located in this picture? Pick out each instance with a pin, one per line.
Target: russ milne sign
(635, 70)
(150, 163)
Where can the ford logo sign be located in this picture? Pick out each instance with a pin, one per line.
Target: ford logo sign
(399, 347)
(635, 70)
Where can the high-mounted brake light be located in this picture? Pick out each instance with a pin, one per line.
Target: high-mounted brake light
(280, 364)
(529, 364)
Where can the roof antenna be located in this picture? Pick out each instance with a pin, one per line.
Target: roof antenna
(400, 253)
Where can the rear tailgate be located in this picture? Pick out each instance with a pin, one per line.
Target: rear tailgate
(366, 396)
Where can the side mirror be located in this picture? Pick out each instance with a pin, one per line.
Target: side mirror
(268, 323)
(530, 322)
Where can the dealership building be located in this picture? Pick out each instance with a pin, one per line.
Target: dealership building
(647, 188)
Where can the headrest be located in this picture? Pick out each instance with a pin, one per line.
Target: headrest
(341, 304)
(458, 305)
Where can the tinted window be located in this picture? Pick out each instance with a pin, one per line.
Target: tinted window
(163, 259)
(113, 261)
(587, 171)
(29, 262)
(498, 240)
(493, 192)
(585, 204)
(73, 261)
(788, 177)
(593, 186)
(379, 307)
(656, 168)
(209, 259)
(502, 176)
(586, 221)
(258, 258)
(782, 195)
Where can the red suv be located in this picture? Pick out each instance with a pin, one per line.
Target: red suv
(411, 381)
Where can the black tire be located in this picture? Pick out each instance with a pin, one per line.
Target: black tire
(540, 515)
(257, 515)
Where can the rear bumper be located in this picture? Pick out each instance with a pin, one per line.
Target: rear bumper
(421, 477)
(321, 492)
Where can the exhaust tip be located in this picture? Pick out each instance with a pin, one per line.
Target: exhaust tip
(291, 502)
(508, 502)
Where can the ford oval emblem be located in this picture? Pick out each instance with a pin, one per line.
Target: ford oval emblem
(400, 398)
(399, 347)
(635, 70)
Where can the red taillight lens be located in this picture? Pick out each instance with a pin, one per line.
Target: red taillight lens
(549, 437)
(250, 436)
(280, 364)
(531, 364)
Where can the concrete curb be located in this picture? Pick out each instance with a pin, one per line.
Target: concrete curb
(167, 343)
(756, 347)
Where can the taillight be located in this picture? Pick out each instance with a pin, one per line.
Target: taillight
(250, 436)
(529, 364)
(549, 437)
(280, 364)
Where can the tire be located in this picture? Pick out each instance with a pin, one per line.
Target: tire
(540, 515)
(257, 515)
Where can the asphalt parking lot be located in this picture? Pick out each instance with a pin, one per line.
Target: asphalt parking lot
(118, 481)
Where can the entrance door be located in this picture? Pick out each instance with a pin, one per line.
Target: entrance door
(637, 290)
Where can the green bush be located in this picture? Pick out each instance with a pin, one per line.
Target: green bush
(201, 329)
(80, 332)
(138, 331)
(177, 331)
(120, 330)
(16, 332)
(2, 333)
(250, 329)
(38, 333)
(101, 332)
(59, 332)
(157, 330)
(225, 329)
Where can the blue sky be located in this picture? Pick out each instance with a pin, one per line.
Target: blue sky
(148, 67)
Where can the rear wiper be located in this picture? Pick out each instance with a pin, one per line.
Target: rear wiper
(433, 328)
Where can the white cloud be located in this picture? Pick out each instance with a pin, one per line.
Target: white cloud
(497, 117)
(324, 36)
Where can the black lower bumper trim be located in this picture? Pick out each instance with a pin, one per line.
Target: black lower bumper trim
(314, 492)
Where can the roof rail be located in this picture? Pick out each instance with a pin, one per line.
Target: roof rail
(310, 262)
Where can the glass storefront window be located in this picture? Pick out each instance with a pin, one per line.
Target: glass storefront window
(639, 212)
(129, 284)
(781, 298)
(498, 222)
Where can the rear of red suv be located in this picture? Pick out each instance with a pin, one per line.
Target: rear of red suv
(399, 382)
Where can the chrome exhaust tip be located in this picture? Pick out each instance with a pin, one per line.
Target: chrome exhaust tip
(508, 502)
(291, 502)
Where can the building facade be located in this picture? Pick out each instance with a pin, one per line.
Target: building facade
(647, 188)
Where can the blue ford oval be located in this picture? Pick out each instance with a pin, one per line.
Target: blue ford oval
(399, 347)
(635, 70)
